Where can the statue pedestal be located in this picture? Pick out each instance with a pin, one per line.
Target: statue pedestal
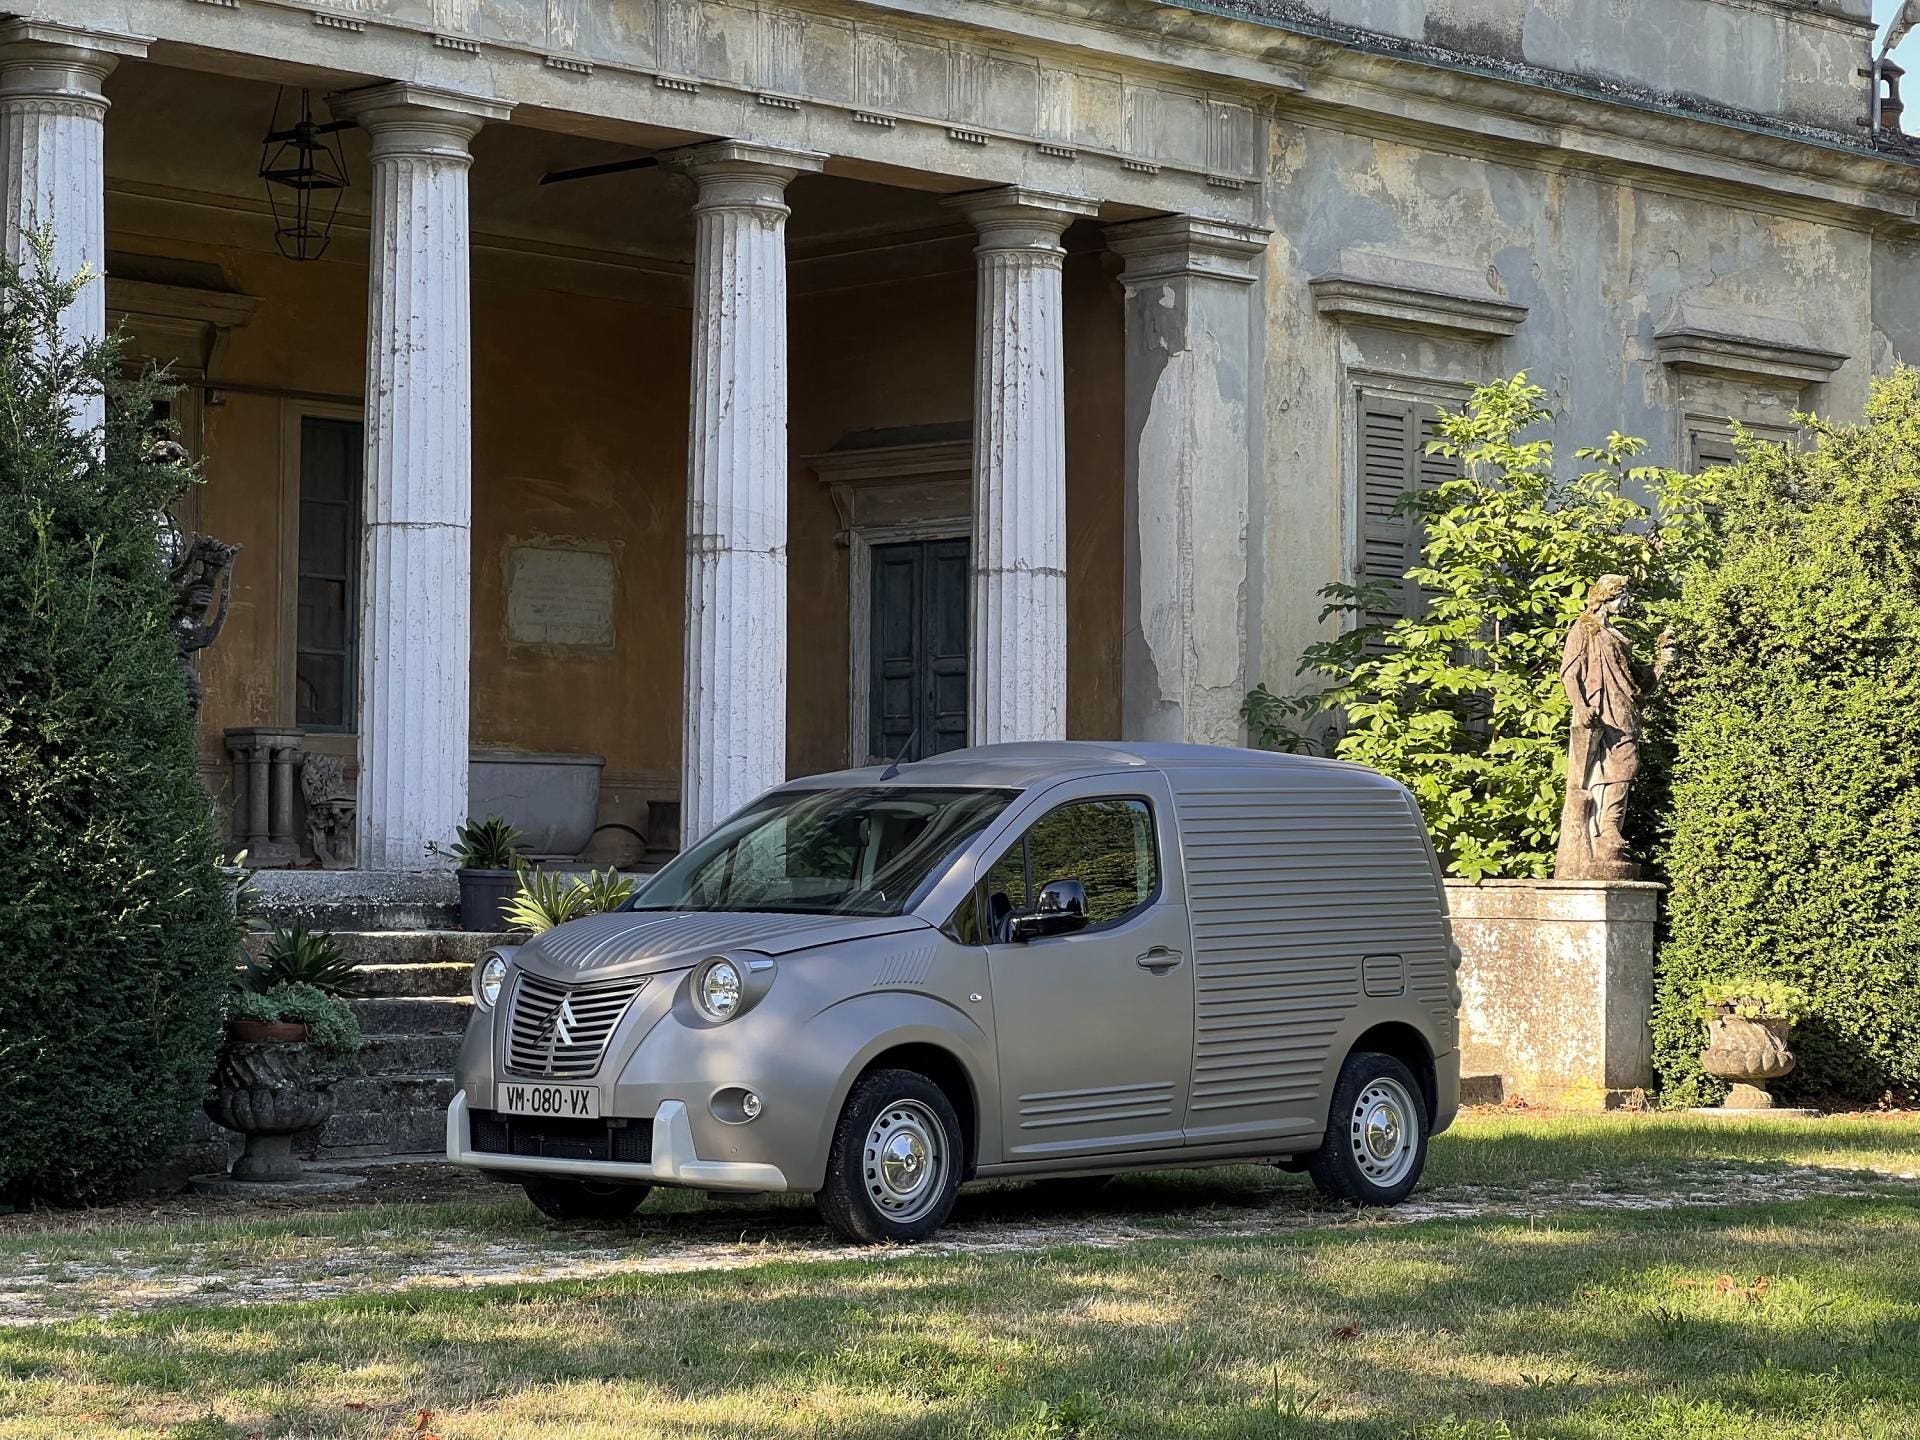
(1557, 985)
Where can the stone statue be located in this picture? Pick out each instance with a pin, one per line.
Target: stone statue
(1603, 753)
(323, 783)
(202, 587)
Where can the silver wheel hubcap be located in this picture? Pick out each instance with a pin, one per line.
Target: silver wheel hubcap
(905, 1161)
(1383, 1132)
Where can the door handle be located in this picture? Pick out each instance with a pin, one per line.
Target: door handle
(1159, 959)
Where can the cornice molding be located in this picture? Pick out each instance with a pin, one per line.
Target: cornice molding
(1758, 349)
(1397, 294)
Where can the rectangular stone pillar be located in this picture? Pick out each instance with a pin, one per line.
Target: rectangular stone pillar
(1557, 985)
(1193, 338)
(734, 737)
(1017, 665)
(53, 114)
(416, 571)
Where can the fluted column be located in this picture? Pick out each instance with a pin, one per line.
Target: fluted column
(1017, 666)
(734, 733)
(416, 567)
(52, 159)
(1192, 362)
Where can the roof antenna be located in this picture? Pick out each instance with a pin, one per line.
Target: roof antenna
(893, 770)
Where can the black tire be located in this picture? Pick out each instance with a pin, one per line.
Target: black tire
(1376, 1141)
(870, 1204)
(563, 1199)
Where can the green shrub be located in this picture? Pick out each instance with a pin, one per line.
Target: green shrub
(1795, 700)
(117, 927)
(489, 844)
(1753, 998)
(330, 1020)
(1463, 704)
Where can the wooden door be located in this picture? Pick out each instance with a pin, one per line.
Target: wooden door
(918, 637)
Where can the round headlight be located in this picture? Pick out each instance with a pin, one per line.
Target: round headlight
(487, 981)
(718, 992)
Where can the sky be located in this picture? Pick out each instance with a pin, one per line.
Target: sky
(1908, 53)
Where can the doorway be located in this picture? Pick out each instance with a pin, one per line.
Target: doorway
(917, 668)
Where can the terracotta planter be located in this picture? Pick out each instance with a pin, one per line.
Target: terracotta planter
(1749, 1053)
(270, 1091)
(268, 1032)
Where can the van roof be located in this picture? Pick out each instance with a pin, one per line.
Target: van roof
(1028, 762)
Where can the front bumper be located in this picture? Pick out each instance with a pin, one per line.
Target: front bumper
(674, 1160)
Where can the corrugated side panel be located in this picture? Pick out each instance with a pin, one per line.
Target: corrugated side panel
(1290, 885)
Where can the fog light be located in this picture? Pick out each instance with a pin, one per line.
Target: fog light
(750, 1105)
(735, 1105)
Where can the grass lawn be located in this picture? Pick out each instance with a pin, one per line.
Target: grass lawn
(1794, 1317)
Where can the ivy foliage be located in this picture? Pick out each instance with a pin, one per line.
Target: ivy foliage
(118, 931)
(1795, 847)
(1463, 704)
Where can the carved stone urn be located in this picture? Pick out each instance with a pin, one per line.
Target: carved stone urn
(270, 1089)
(1749, 1053)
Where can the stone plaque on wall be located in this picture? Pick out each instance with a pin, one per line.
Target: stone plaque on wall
(560, 597)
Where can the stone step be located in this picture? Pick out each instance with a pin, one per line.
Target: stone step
(357, 899)
(401, 947)
(374, 1132)
(414, 1014)
(408, 1054)
(433, 977)
(391, 1093)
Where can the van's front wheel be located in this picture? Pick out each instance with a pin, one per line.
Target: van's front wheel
(559, 1199)
(895, 1165)
(1376, 1142)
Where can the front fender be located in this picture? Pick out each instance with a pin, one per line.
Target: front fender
(866, 1027)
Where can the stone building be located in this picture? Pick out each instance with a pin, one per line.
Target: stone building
(904, 369)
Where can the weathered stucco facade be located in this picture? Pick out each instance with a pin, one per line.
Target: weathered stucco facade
(1223, 251)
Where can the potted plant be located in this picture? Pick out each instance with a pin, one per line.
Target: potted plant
(1748, 1019)
(546, 898)
(288, 1027)
(488, 855)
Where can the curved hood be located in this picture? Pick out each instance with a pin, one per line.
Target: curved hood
(647, 942)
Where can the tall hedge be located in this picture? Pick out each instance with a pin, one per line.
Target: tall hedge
(114, 926)
(1795, 843)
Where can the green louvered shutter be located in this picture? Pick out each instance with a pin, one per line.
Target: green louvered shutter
(1393, 460)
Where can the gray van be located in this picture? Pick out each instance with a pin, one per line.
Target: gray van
(1039, 960)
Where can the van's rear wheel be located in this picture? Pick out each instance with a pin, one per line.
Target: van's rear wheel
(1376, 1142)
(560, 1199)
(896, 1160)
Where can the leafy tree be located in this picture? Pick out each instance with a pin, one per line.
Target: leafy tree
(1795, 846)
(118, 932)
(1463, 703)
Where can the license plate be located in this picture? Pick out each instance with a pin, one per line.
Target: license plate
(565, 1102)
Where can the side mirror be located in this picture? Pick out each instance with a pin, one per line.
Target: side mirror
(1061, 907)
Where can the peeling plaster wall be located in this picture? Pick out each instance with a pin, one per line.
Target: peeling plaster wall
(1599, 265)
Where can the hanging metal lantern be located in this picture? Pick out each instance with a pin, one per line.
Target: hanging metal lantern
(305, 171)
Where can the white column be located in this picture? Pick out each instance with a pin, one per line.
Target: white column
(1017, 668)
(416, 567)
(1192, 411)
(734, 732)
(53, 159)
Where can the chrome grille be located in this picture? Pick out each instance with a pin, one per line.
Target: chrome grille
(555, 1029)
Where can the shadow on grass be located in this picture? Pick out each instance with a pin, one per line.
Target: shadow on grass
(1798, 1320)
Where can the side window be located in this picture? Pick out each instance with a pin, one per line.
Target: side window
(1393, 459)
(1107, 845)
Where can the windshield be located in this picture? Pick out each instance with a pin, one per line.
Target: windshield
(825, 852)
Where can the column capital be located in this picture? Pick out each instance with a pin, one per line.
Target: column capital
(1014, 218)
(742, 174)
(408, 119)
(1164, 247)
(46, 60)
